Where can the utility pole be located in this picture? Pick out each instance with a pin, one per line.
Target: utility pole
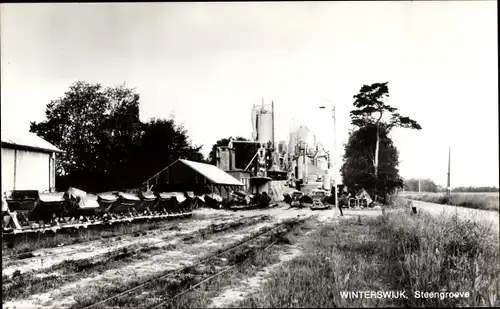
(335, 156)
(448, 185)
(334, 177)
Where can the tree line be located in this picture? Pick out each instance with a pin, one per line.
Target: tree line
(426, 185)
(106, 146)
(475, 189)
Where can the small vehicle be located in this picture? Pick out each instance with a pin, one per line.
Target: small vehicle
(244, 201)
(300, 199)
(319, 198)
(296, 199)
(261, 200)
(213, 200)
(240, 198)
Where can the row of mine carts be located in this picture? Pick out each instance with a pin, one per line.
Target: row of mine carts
(31, 209)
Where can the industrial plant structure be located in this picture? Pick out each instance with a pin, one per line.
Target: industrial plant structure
(264, 167)
(308, 159)
(301, 160)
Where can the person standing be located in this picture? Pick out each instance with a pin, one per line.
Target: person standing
(340, 209)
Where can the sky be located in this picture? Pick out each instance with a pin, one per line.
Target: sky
(208, 63)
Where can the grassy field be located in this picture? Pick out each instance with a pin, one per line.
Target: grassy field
(487, 200)
(397, 251)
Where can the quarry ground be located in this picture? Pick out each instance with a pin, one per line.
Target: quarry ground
(78, 275)
(62, 276)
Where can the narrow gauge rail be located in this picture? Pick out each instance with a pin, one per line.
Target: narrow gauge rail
(170, 299)
(10, 237)
(31, 254)
(56, 228)
(295, 222)
(34, 257)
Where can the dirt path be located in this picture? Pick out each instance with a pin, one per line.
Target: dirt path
(487, 217)
(247, 286)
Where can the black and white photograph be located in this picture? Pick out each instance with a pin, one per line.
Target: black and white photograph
(274, 154)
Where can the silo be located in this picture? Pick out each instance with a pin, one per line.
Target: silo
(305, 136)
(265, 123)
(322, 163)
(262, 123)
(282, 147)
(302, 133)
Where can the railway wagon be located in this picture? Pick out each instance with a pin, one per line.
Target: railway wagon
(31, 210)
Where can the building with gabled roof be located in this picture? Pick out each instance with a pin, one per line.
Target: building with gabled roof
(184, 175)
(28, 162)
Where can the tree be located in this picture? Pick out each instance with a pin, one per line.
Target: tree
(162, 143)
(371, 109)
(95, 126)
(357, 166)
(426, 185)
(243, 152)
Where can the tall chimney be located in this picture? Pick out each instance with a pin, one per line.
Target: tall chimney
(232, 155)
(224, 158)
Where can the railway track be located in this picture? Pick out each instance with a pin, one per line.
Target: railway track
(274, 233)
(210, 228)
(55, 228)
(31, 254)
(168, 301)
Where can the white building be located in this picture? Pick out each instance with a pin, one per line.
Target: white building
(28, 162)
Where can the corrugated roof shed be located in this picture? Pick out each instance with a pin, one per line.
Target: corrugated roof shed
(213, 173)
(27, 139)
